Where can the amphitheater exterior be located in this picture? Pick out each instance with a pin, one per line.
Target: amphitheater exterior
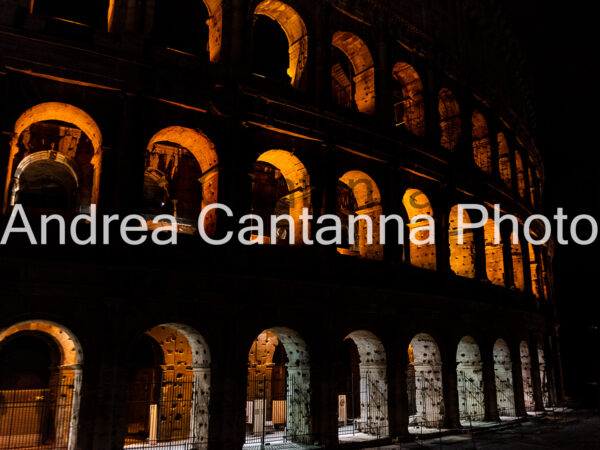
(349, 107)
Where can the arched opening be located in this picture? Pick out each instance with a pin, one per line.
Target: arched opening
(280, 185)
(275, 57)
(357, 194)
(168, 388)
(504, 160)
(362, 389)
(526, 375)
(40, 384)
(352, 73)
(180, 178)
(543, 369)
(482, 150)
(55, 160)
(424, 384)
(450, 123)
(422, 249)
(505, 395)
(462, 256)
(494, 258)
(95, 13)
(278, 389)
(469, 374)
(409, 105)
(520, 174)
(517, 263)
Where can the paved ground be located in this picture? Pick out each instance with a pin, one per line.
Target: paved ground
(573, 432)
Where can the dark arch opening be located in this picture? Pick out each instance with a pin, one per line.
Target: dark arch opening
(270, 49)
(349, 384)
(342, 79)
(181, 25)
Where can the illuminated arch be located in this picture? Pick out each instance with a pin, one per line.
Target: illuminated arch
(520, 174)
(368, 202)
(297, 181)
(184, 381)
(482, 151)
(293, 409)
(469, 371)
(450, 123)
(364, 69)
(417, 203)
(494, 258)
(505, 396)
(462, 256)
(526, 375)
(424, 382)
(67, 379)
(203, 151)
(504, 160)
(373, 386)
(410, 110)
(517, 263)
(295, 31)
(62, 112)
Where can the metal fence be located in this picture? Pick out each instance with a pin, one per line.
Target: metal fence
(363, 407)
(37, 418)
(277, 409)
(425, 401)
(164, 413)
(505, 397)
(470, 397)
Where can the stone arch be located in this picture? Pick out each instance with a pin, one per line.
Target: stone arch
(482, 150)
(505, 396)
(168, 164)
(450, 122)
(373, 386)
(64, 390)
(462, 256)
(526, 375)
(367, 201)
(424, 382)
(494, 257)
(409, 104)
(293, 195)
(290, 411)
(470, 380)
(504, 160)
(416, 203)
(295, 30)
(362, 80)
(67, 142)
(517, 263)
(168, 397)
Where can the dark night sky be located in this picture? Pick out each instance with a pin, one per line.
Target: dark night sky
(561, 44)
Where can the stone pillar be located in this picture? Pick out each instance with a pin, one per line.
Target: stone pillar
(373, 399)
(450, 385)
(489, 387)
(517, 376)
(299, 427)
(397, 396)
(538, 395)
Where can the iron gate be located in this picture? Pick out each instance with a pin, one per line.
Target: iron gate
(471, 398)
(505, 397)
(277, 409)
(364, 410)
(165, 413)
(37, 418)
(425, 401)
